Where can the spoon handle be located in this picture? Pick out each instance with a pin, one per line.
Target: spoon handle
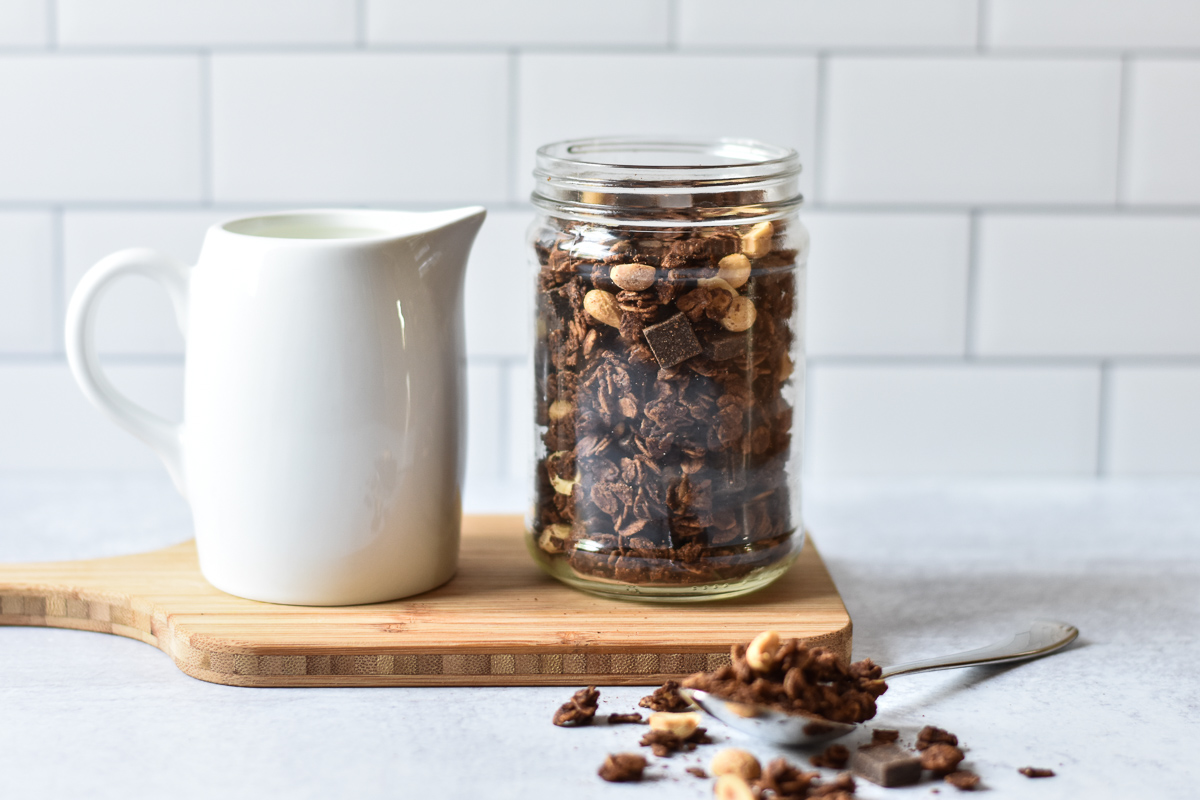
(1041, 639)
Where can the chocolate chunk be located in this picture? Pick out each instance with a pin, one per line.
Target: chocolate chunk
(1036, 772)
(887, 765)
(964, 780)
(884, 736)
(725, 347)
(840, 788)
(941, 758)
(579, 710)
(931, 735)
(666, 698)
(625, 719)
(673, 341)
(623, 767)
(834, 757)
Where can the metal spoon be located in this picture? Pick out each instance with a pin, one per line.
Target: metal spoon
(776, 727)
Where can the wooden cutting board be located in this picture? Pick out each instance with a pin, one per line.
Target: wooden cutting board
(499, 622)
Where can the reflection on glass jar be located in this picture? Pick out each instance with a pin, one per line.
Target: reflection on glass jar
(669, 366)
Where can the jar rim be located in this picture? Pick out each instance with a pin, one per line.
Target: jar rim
(664, 160)
(655, 180)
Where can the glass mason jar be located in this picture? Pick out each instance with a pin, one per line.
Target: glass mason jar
(669, 366)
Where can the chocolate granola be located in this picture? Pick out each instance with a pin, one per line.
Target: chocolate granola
(797, 679)
(666, 698)
(833, 757)
(663, 367)
(622, 767)
(579, 710)
(665, 743)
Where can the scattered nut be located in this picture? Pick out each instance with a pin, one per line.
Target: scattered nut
(740, 316)
(602, 306)
(682, 725)
(760, 653)
(733, 787)
(756, 242)
(632, 277)
(560, 409)
(717, 283)
(734, 269)
(733, 761)
(553, 536)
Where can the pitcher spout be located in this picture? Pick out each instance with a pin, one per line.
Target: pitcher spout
(441, 246)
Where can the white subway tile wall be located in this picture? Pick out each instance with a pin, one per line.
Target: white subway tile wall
(1162, 164)
(1004, 197)
(205, 23)
(1101, 24)
(24, 23)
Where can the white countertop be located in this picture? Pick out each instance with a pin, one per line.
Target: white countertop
(925, 569)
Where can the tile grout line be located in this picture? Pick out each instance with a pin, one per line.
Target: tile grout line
(514, 79)
(1103, 410)
(819, 125)
(672, 24)
(58, 280)
(360, 24)
(206, 130)
(52, 24)
(1124, 96)
(982, 31)
(972, 308)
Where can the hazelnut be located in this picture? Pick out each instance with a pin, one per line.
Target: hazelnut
(632, 277)
(756, 242)
(560, 409)
(734, 269)
(552, 537)
(682, 725)
(564, 486)
(740, 316)
(717, 283)
(733, 761)
(602, 306)
(760, 653)
(732, 787)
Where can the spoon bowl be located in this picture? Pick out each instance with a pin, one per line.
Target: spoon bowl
(800, 729)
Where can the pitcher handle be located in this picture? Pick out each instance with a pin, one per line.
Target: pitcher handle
(163, 436)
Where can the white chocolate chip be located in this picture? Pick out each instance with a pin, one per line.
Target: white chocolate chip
(733, 761)
(560, 409)
(632, 277)
(682, 725)
(717, 283)
(553, 536)
(602, 306)
(760, 653)
(756, 242)
(740, 316)
(734, 269)
(732, 787)
(562, 486)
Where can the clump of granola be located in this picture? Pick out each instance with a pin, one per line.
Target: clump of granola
(666, 698)
(622, 767)
(579, 710)
(788, 676)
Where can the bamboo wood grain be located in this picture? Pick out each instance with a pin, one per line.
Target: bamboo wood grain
(499, 622)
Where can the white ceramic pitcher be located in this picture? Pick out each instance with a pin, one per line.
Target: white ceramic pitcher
(323, 441)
